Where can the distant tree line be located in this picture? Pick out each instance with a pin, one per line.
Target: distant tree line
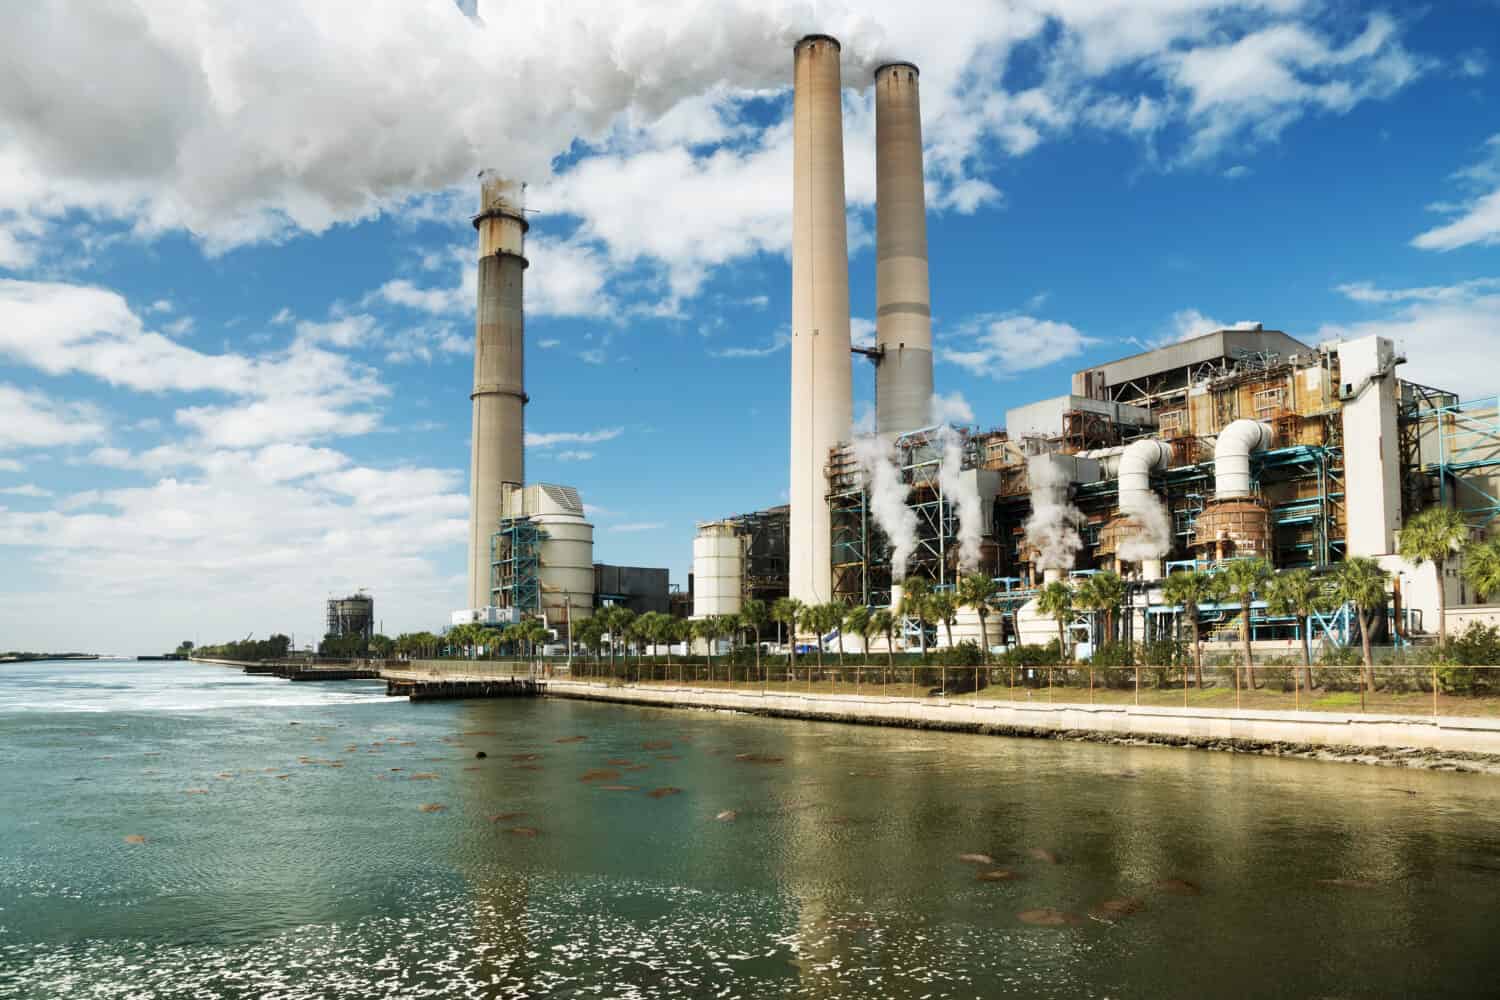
(274, 647)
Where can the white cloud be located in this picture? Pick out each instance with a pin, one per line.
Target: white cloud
(998, 346)
(952, 408)
(1186, 324)
(1237, 172)
(548, 440)
(340, 331)
(30, 419)
(1473, 64)
(574, 456)
(266, 533)
(247, 123)
(10, 465)
(861, 332)
(301, 392)
(160, 306)
(26, 490)
(548, 343)
(632, 527)
(1478, 222)
(1440, 329)
(780, 341)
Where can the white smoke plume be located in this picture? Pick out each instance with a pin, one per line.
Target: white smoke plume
(1154, 539)
(877, 459)
(1052, 528)
(963, 494)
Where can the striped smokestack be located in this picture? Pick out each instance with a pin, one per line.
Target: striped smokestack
(903, 312)
(821, 368)
(497, 455)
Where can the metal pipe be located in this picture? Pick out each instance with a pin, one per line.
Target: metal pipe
(1232, 456)
(821, 368)
(903, 309)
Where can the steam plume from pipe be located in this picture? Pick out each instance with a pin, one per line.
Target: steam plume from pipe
(964, 495)
(1052, 528)
(877, 459)
(1138, 502)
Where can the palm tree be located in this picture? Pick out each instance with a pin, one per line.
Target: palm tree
(755, 614)
(788, 611)
(858, 620)
(1242, 578)
(812, 621)
(944, 605)
(1056, 600)
(1191, 589)
(1432, 536)
(834, 622)
(1361, 582)
(1297, 593)
(1107, 593)
(884, 622)
(914, 595)
(589, 633)
(1482, 568)
(976, 591)
(703, 628)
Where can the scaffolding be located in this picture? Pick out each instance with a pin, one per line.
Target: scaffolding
(860, 551)
(515, 565)
(1456, 449)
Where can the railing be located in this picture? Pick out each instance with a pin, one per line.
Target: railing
(1388, 690)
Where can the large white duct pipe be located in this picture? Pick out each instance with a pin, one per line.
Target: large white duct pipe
(1232, 456)
(1137, 462)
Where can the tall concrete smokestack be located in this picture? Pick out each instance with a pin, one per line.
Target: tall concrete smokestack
(821, 368)
(903, 311)
(498, 431)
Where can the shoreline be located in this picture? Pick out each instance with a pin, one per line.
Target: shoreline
(1446, 744)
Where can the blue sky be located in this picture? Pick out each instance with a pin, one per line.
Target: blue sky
(236, 268)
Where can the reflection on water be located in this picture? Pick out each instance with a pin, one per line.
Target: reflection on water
(795, 859)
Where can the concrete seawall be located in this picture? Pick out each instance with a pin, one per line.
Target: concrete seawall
(1445, 743)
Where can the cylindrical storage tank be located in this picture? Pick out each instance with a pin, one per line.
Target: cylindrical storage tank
(1236, 528)
(567, 568)
(353, 615)
(718, 570)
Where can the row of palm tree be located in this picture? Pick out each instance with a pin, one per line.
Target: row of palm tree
(1435, 535)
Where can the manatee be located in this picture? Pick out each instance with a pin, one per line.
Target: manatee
(523, 831)
(1348, 883)
(1112, 910)
(616, 788)
(1044, 855)
(1179, 887)
(134, 838)
(432, 807)
(505, 817)
(571, 739)
(657, 745)
(599, 774)
(427, 776)
(727, 816)
(976, 859)
(1048, 917)
(998, 875)
(661, 793)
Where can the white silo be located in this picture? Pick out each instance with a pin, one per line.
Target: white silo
(718, 569)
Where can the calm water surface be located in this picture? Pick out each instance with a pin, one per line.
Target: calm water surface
(286, 854)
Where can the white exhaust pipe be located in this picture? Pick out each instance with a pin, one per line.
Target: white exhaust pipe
(1232, 456)
(1136, 465)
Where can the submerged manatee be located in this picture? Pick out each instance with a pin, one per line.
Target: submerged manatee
(1048, 917)
(976, 859)
(998, 875)
(661, 793)
(1043, 855)
(1179, 887)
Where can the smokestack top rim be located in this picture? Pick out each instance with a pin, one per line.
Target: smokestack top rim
(900, 63)
(810, 39)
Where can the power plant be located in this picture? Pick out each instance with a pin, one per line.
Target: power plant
(1240, 442)
(1243, 441)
